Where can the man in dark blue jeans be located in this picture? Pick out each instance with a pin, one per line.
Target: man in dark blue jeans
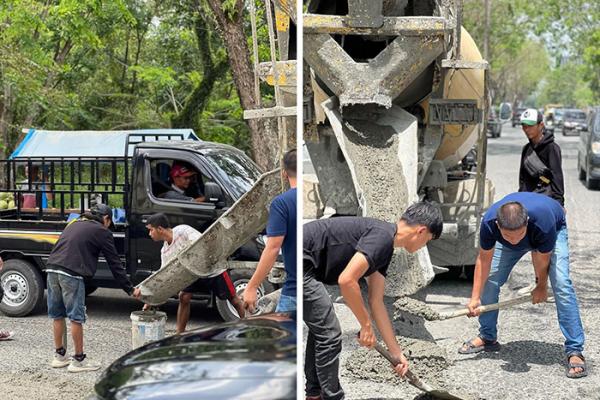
(520, 223)
(281, 233)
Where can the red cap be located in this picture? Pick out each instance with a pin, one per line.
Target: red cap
(181, 170)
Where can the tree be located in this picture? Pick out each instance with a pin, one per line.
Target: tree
(230, 18)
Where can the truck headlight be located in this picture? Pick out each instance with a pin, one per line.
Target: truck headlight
(596, 147)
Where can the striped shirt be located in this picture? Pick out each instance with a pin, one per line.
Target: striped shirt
(183, 237)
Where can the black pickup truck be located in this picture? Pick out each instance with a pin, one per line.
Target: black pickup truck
(48, 191)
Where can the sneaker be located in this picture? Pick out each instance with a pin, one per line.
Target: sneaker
(82, 366)
(60, 361)
(6, 335)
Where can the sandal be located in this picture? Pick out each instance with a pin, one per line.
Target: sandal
(469, 347)
(570, 365)
(6, 335)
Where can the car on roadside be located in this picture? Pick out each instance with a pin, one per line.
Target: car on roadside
(516, 116)
(588, 151)
(574, 120)
(253, 358)
(497, 116)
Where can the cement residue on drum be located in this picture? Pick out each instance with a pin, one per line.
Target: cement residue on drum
(415, 307)
(427, 360)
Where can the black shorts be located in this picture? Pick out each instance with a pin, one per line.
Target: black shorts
(220, 285)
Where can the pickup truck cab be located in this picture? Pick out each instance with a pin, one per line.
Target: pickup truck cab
(134, 184)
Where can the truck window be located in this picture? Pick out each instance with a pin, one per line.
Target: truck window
(177, 180)
(238, 171)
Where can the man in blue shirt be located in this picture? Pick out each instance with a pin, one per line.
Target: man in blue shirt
(517, 224)
(281, 233)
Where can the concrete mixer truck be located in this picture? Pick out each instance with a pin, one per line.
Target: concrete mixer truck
(395, 112)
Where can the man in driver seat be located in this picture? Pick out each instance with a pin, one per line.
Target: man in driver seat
(182, 176)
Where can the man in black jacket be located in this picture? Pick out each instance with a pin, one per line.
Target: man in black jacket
(73, 259)
(541, 170)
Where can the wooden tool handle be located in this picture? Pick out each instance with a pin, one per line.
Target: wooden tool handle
(489, 307)
(412, 378)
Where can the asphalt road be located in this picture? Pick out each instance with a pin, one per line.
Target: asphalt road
(25, 373)
(531, 363)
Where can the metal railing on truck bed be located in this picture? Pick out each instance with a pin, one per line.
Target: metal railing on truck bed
(63, 186)
(70, 184)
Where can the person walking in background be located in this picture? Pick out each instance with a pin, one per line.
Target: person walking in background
(541, 159)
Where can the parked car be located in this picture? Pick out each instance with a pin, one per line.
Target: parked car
(254, 358)
(130, 171)
(574, 120)
(516, 117)
(496, 119)
(558, 117)
(588, 154)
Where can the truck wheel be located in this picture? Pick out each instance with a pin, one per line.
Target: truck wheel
(23, 288)
(240, 278)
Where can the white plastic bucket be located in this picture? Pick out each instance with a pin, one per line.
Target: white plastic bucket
(146, 327)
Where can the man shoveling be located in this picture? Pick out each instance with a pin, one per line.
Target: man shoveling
(341, 251)
(521, 223)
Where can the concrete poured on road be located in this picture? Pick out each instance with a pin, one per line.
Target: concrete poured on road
(531, 363)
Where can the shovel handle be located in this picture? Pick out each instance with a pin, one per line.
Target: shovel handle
(412, 378)
(489, 307)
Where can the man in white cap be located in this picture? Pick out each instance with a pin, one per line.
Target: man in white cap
(541, 170)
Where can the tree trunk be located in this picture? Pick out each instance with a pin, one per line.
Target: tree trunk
(263, 142)
(195, 103)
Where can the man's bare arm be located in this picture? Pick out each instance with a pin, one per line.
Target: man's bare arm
(348, 282)
(482, 272)
(541, 265)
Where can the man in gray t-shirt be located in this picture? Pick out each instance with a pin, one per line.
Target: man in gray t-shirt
(181, 176)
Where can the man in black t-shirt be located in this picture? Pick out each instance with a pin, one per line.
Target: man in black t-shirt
(341, 251)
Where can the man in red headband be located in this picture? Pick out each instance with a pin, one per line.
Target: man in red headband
(182, 176)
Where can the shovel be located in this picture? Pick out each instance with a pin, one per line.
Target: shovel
(525, 296)
(416, 381)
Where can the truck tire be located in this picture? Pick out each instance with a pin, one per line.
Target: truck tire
(23, 288)
(240, 278)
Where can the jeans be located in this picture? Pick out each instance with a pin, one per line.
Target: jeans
(66, 297)
(566, 301)
(324, 343)
(286, 303)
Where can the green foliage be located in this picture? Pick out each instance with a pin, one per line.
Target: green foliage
(119, 64)
(541, 47)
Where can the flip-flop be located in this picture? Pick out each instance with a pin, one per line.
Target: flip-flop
(6, 335)
(469, 347)
(570, 365)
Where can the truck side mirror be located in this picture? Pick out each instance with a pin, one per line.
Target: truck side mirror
(214, 194)
(505, 112)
